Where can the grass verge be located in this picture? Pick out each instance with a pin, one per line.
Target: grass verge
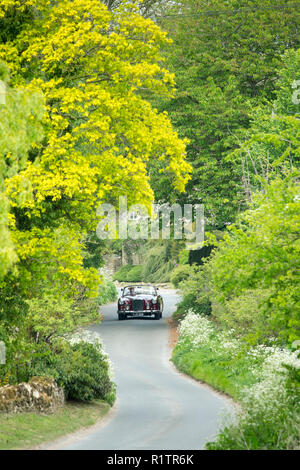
(264, 379)
(26, 430)
(228, 376)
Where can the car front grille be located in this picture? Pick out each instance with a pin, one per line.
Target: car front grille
(137, 304)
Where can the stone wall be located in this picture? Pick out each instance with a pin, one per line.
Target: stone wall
(41, 395)
(130, 253)
(112, 263)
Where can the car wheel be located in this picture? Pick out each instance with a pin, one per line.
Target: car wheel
(121, 316)
(157, 316)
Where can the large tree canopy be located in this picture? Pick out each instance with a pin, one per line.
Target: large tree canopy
(20, 128)
(91, 65)
(75, 131)
(226, 58)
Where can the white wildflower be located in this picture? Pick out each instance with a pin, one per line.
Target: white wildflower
(196, 329)
(269, 394)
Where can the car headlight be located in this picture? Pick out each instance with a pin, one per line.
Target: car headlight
(127, 307)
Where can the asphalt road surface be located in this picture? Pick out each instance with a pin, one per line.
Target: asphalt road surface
(157, 407)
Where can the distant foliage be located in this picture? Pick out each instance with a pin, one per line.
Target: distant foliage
(107, 291)
(135, 274)
(158, 265)
(129, 273)
(227, 58)
(123, 273)
(159, 258)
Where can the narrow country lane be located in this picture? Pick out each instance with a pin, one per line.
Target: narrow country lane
(157, 407)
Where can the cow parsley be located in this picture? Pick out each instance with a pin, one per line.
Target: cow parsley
(196, 329)
(268, 401)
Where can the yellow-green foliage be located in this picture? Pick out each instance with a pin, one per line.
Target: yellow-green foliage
(75, 132)
(20, 128)
(90, 64)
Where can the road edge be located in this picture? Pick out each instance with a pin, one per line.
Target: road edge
(173, 338)
(67, 439)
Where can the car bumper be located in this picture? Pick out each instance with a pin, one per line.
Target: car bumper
(139, 313)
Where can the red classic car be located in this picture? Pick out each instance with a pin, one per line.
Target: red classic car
(140, 301)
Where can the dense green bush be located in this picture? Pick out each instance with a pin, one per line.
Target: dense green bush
(135, 274)
(180, 273)
(155, 271)
(187, 303)
(122, 273)
(46, 316)
(160, 259)
(107, 291)
(201, 306)
(82, 369)
(196, 291)
(51, 314)
(256, 266)
(155, 262)
(19, 353)
(142, 273)
(129, 273)
(246, 314)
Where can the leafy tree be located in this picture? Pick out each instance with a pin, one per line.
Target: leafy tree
(270, 146)
(20, 129)
(251, 279)
(97, 137)
(147, 8)
(225, 56)
(269, 157)
(259, 258)
(99, 133)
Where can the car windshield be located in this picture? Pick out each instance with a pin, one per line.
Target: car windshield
(135, 290)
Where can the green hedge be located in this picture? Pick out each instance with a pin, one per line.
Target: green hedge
(129, 273)
(135, 274)
(82, 369)
(107, 292)
(180, 273)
